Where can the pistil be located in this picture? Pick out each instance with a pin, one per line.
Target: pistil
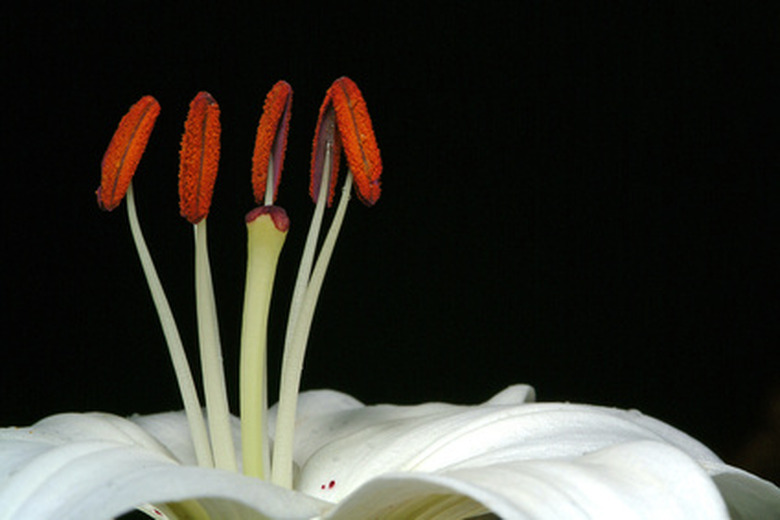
(267, 228)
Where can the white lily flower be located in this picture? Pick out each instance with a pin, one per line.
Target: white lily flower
(324, 454)
(508, 457)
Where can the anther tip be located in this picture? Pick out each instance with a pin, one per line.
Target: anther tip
(124, 152)
(271, 140)
(199, 158)
(353, 133)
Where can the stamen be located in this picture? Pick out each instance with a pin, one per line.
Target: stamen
(199, 161)
(343, 118)
(266, 229)
(119, 165)
(181, 367)
(125, 150)
(294, 351)
(199, 158)
(357, 135)
(271, 143)
(343, 122)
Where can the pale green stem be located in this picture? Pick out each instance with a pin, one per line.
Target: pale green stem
(307, 259)
(292, 365)
(265, 243)
(181, 368)
(214, 388)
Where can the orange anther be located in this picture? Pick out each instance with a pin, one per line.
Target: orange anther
(199, 158)
(271, 139)
(124, 152)
(344, 121)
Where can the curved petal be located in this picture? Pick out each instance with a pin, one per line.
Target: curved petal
(364, 443)
(515, 458)
(76, 427)
(321, 416)
(633, 480)
(172, 430)
(746, 495)
(515, 394)
(45, 474)
(313, 406)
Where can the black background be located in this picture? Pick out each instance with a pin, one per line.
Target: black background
(579, 198)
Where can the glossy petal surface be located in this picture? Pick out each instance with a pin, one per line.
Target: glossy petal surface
(513, 457)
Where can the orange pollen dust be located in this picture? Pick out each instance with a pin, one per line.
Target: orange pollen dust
(124, 152)
(199, 158)
(271, 139)
(357, 136)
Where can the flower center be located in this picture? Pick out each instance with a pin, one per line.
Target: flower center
(343, 123)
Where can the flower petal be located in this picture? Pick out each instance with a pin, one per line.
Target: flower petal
(344, 451)
(364, 443)
(746, 495)
(506, 456)
(72, 427)
(46, 475)
(172, 430)
(632, 480)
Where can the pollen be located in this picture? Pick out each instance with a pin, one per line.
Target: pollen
(199, 158)
(357, 137)
(124, 152)
(271, 141)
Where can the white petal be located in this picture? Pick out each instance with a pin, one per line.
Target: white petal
(367, 442)
(344, 417)
(633, 480)
(70, 427)
(746, 495)
(364, 443)
(515, 394)
(44, 477)
(172, 430)
(512, 456)
(312, 406)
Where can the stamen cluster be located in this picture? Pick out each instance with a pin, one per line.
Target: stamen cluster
(343, 123)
